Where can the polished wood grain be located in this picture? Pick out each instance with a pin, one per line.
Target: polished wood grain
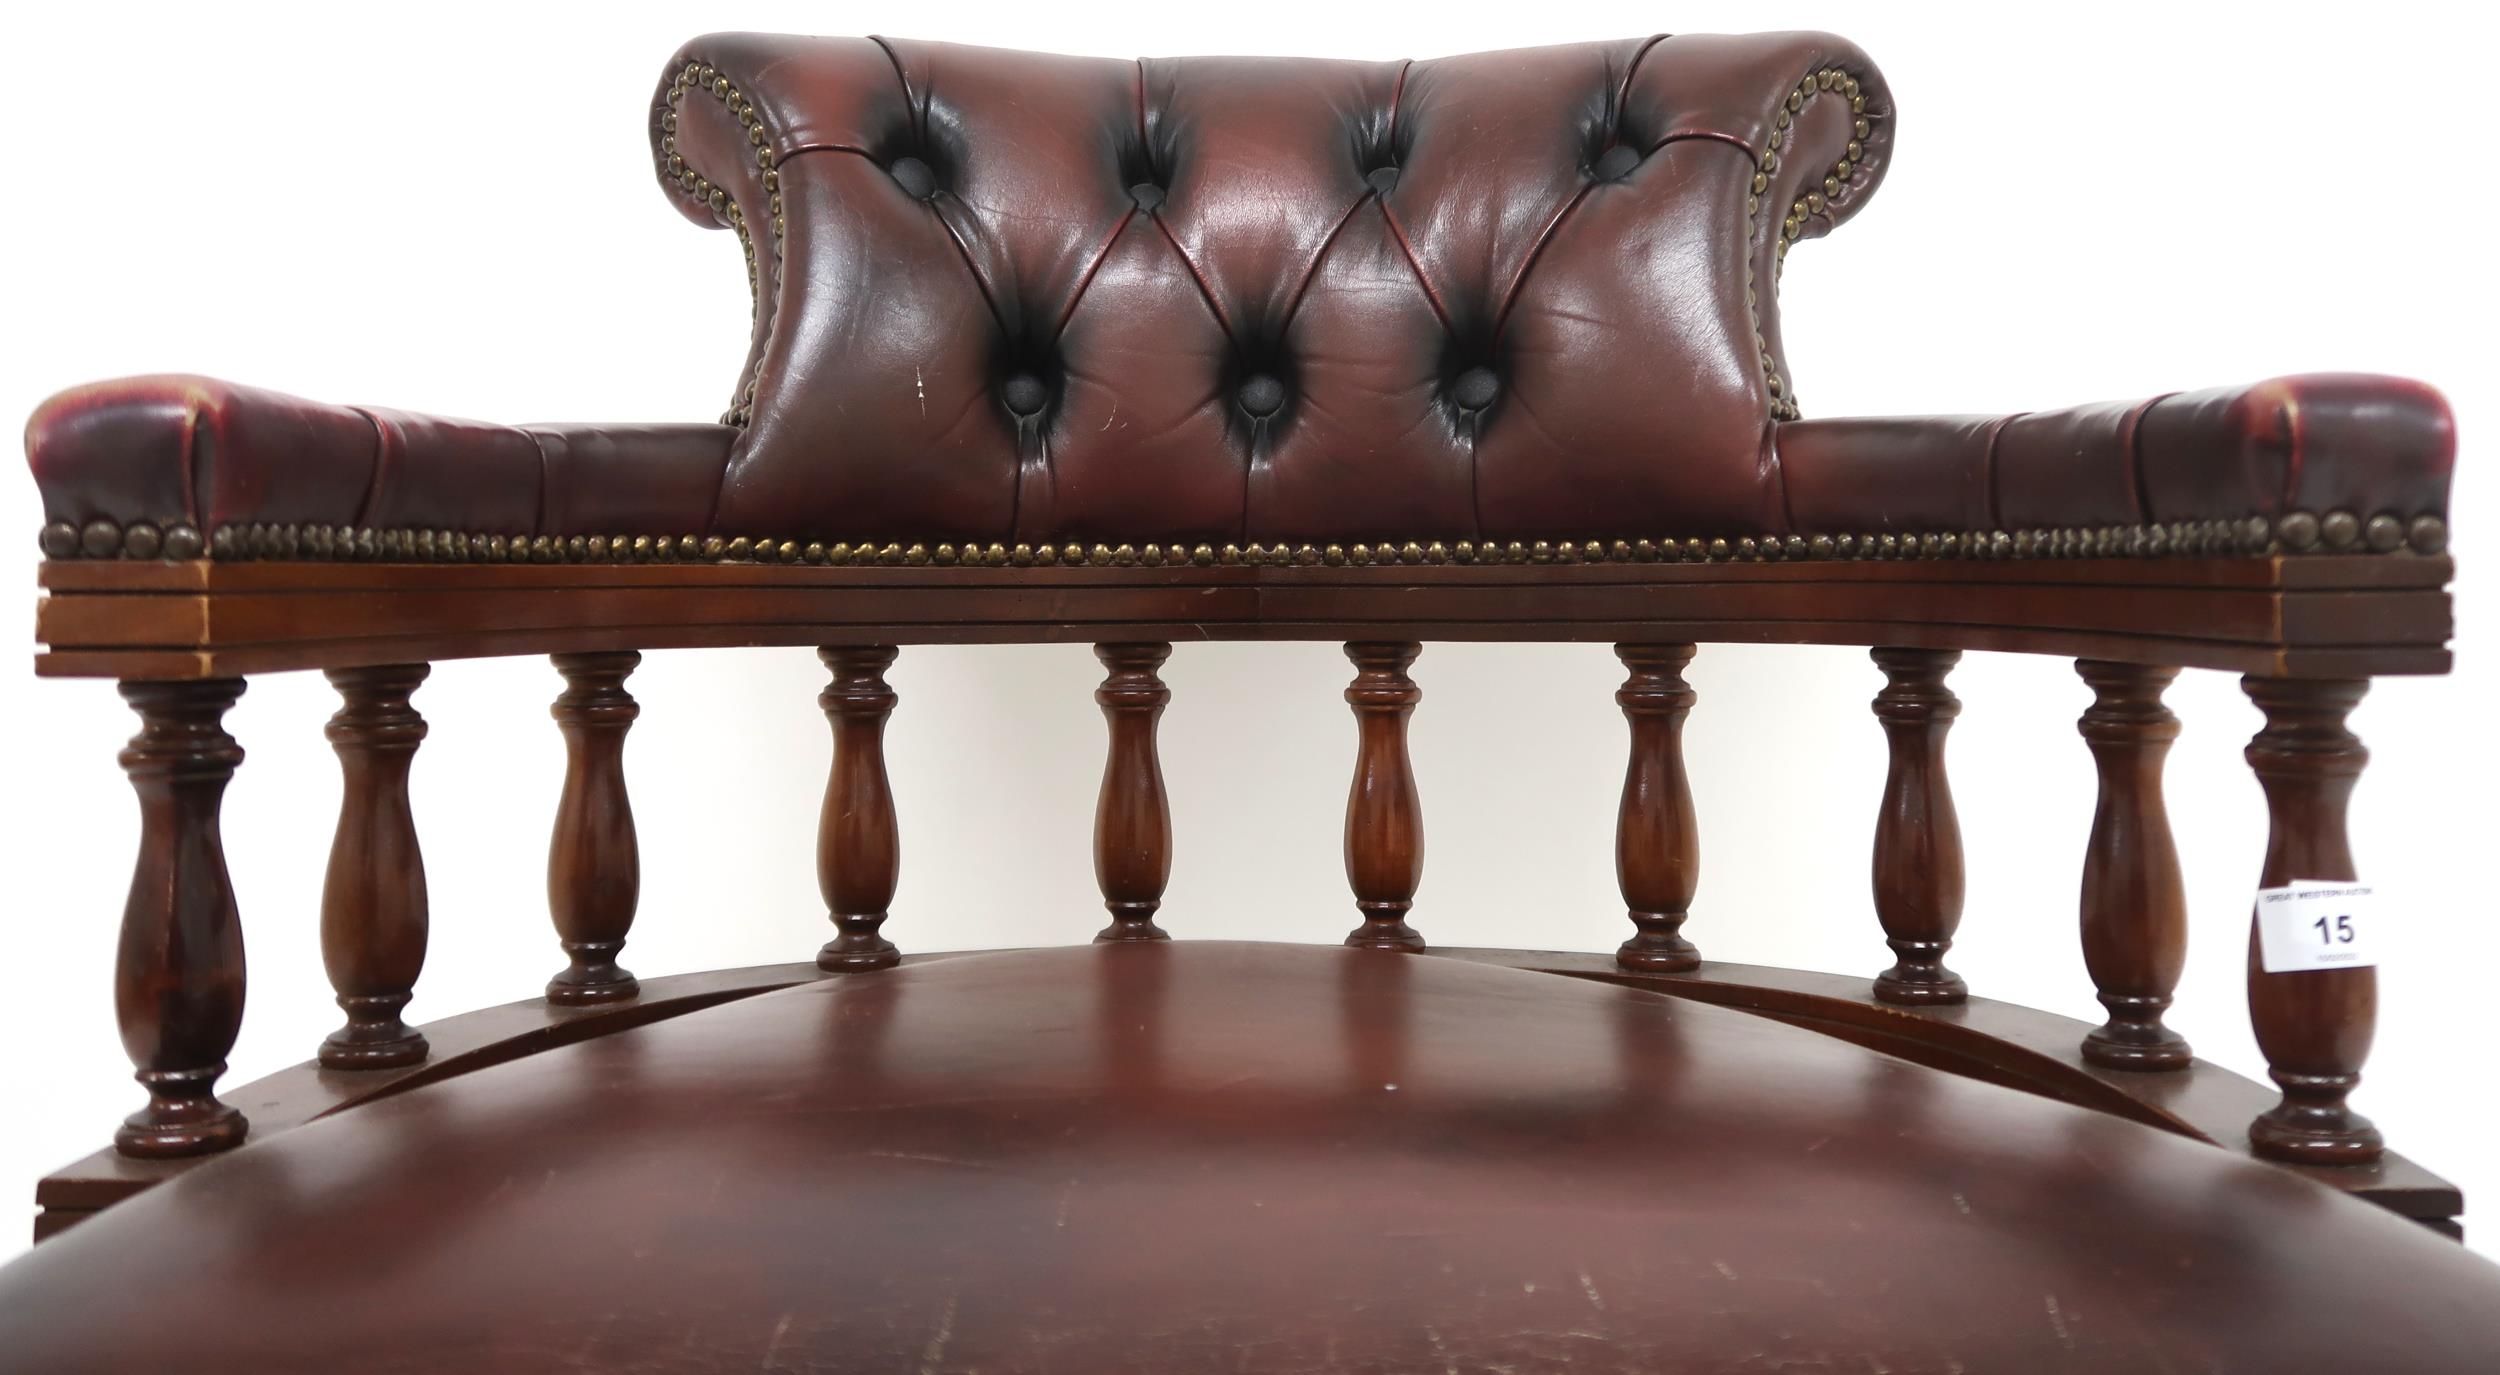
(2134, 902)
(1384, 818)
(468, 1041)
(2315, 616)
(1918, 838)
(858, 842)
(1132, 814)
(2313, 1025)
(2009, 1044)
(594, 862)
(373, 904)
(178, 984)
(1657, 841)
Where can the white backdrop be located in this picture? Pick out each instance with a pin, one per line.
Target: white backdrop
(457, 214)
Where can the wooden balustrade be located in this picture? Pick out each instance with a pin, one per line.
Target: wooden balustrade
(1132, 814)
(178, 984)
(1918, 839)
(594, 865)
(373, 907)
(1657, 842)
(2313, 1025)
(858, 844)
(1384, 821)
(2134, 903)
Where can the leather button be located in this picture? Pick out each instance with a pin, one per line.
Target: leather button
(914, 176)
(1616, 163)
(1382, 179)
(1475, 389)
(1146, 194)
(1025, 394)
(1262, 395)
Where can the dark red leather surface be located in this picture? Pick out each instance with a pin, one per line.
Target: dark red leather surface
(1019, 298)
(1501, 295)
(209, 454)
(2321, 442)
(1206, 1156)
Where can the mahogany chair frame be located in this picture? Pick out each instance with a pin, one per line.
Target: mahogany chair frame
(2307, 631)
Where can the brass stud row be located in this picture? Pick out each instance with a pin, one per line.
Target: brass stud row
(1837, 83)
(706, 80)
(2299, 532)
(104, 539)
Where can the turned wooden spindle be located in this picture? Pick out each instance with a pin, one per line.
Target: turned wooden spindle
(1918, 840)
(178, 985)
(858, 844)
(1657, 845)
(1384, 822)
(2314, 1025)
(1132, 815)
(2134, 902)
(594, 864)
(373, 911)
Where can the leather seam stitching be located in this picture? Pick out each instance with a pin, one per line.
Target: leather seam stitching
(1398, 232)
(2139, 490)
(1779, 476)
(1519, 279)
(193, 433)
(911, 103)
(1086, 279)
(1991, 469)
(1397, 94)
(1310, 271)
(1205, 291)
(538, 445)
(381, 461)
(1623, 91)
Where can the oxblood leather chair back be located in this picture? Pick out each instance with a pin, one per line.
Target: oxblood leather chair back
(1003, 297)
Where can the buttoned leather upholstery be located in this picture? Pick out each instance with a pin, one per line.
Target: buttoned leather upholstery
(1007, 298)
(197, 452)
(1503, 294)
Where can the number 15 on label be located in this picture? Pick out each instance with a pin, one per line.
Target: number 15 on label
(2314, 924)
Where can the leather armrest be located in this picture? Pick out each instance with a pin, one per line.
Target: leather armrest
(172, 466)
(2324, 460)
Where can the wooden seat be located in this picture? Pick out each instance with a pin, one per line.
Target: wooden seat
(1175, 1156)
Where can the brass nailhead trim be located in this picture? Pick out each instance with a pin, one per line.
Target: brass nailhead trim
(1831, 81)
(700, 189)
(2298, 532)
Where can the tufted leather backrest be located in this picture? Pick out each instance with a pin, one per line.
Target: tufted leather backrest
(1516, 295)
